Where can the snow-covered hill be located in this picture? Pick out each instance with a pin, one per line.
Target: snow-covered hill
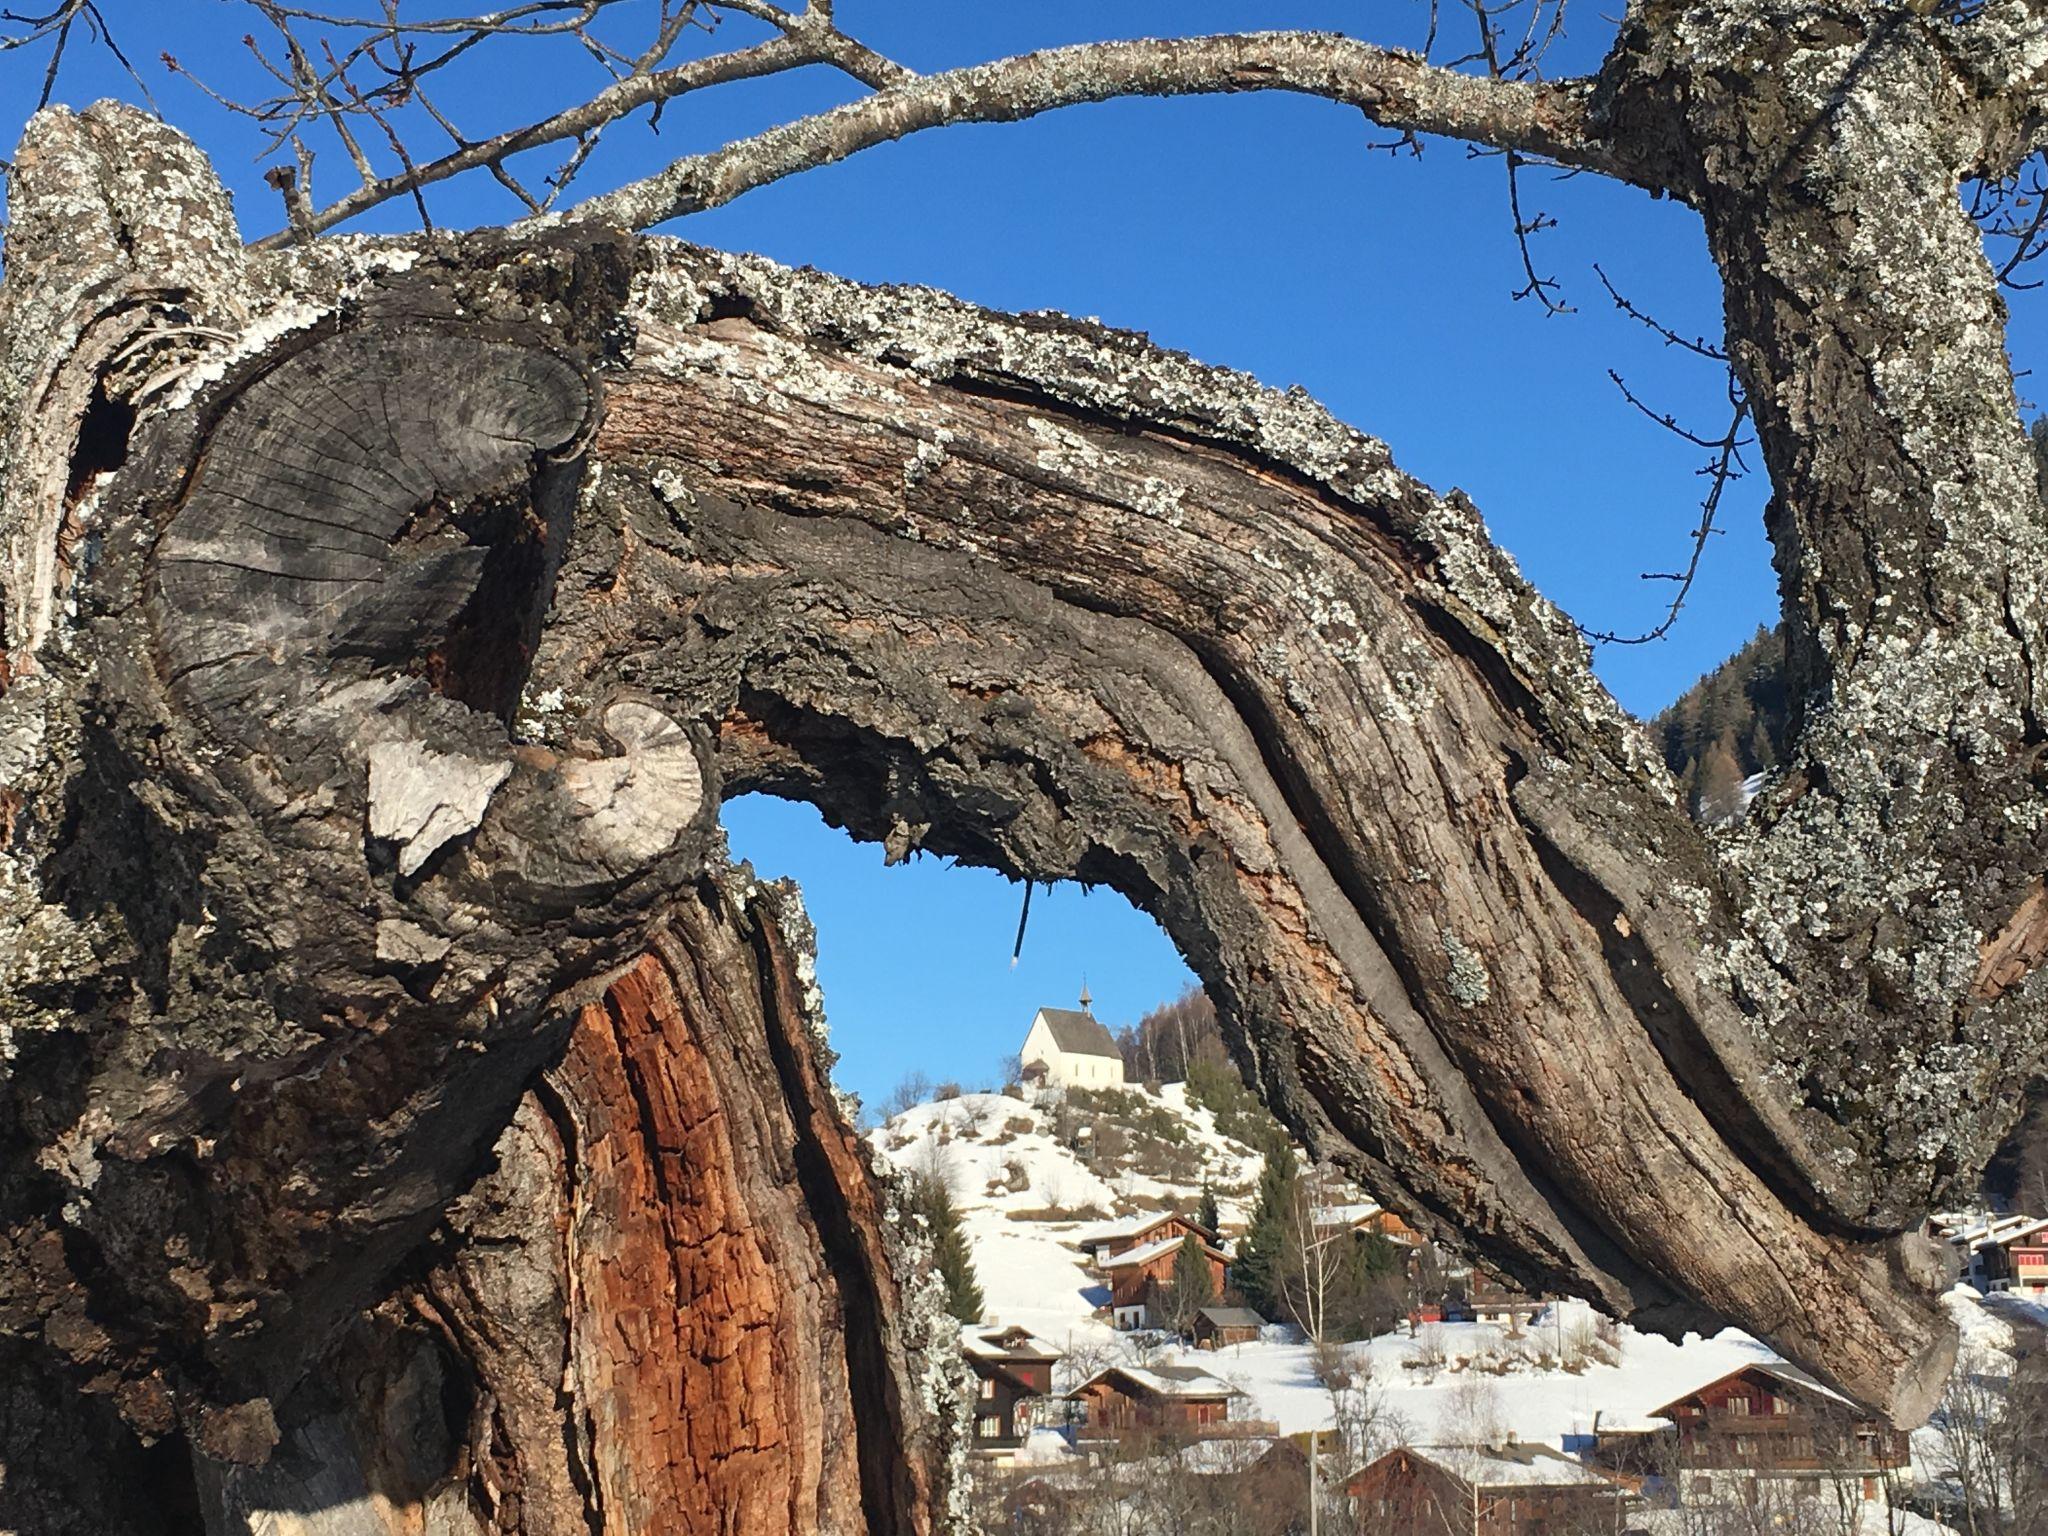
(1025, 1192)
(1026, 1185)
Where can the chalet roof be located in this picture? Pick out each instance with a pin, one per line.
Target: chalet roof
(2016, 1229)
(1079, 1034)
(1232, 1317)
(1006, 1344)
(1137, 1226)
(1151, 1251)
(1510, 1466)
(1778, 1370)
(1180, 1381)
(1349, 1215)
(1974, 1233)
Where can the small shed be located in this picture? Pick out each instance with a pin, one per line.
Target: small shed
(1217, 1327)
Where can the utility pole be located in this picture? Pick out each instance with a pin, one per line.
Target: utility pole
(1314, 1513)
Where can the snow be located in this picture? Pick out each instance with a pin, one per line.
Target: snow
(1171, 1381)
(1144, 1255)
(1501, 1468)
(1032, 1272)
(1547, 1407)
(1034, 1275)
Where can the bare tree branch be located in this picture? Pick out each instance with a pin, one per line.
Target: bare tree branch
(1394, 88)
(607, 106)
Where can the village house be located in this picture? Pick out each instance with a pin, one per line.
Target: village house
(1367, 1216)
(1139, 1276)
(1487, 1300)
(1159, 1399)
(1104, 1243)
(1069, 1049)
(1221, 1327)
(1768, 1420)
(1012, 1373)
(2004, 1253)
(1480, 1490)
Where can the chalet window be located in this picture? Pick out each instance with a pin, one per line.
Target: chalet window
(988, 1386)
(1781, 1405)
(1738, 1405)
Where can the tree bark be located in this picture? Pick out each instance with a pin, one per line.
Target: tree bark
(408, 1109)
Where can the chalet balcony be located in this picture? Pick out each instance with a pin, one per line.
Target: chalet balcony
(1219, 1429)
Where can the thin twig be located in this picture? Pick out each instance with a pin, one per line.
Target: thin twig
(1726, 467)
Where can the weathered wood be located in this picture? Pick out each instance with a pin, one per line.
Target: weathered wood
(669, 1305)
(381, 651)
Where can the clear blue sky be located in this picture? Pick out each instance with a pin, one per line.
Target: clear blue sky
(1255, 231)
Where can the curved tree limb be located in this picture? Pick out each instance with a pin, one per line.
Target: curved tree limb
(1394, 88)
(393, 616)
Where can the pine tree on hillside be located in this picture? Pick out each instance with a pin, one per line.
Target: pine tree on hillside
(930, 1198)
(1728, 725)
(1191, 1288)
(1206, 1213)
(1262, 1253)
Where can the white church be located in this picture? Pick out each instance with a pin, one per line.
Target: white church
(1066, 1049)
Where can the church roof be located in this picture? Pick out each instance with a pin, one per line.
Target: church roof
(1079, 1034)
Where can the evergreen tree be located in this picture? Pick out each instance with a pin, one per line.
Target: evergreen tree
(930, 1198)
(1262, 1253)
(1730, 724)
(1205, 1213)
(1192, 1286)
(1380, 1255)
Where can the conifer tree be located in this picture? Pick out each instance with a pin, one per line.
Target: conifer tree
(1205, 1213)
(931, 1199)
(1261, 1256)
(1192, 1286)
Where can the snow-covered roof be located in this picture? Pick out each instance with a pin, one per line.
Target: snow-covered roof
(1133, 1226)
(1233, 1317)
(2013, 1229)
(1778, 1370)
(1347, 1215)
(1511, 1466)
(1130, 1226)
(1165, 1381)
(1006, 1343)
(1151, 1251)
(1079, 1034)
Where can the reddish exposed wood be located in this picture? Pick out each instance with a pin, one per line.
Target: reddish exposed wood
(707, 1295)
(2011, 954)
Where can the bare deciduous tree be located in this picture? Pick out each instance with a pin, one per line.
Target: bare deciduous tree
(385, 621)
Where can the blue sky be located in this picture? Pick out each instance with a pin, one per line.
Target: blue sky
(1256, 231)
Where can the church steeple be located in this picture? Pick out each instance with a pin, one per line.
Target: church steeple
(1086, 1000)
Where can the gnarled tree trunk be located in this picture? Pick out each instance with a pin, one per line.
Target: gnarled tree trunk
(408, 1109)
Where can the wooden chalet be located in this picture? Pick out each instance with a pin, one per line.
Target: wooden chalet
(1139, 1276)
(1162, 1399)
(1220, 1327)
(2010, 1255)
(1101, 1244)
(1764, 1420)
(1366, 1217)
(1481, 1490)
(1012, 1373)
(1488, 1300)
